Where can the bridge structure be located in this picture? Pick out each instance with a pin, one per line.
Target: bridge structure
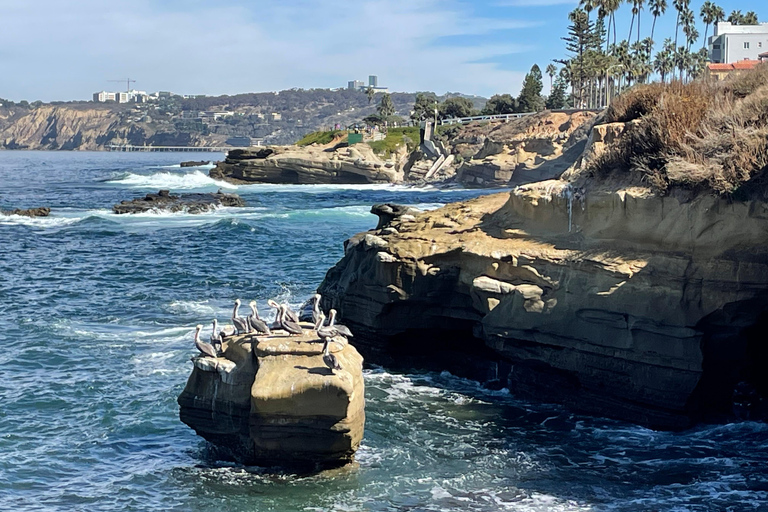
(193, 149)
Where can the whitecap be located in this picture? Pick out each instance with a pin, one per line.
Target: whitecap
(172, 181)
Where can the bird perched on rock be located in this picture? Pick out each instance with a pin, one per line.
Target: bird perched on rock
(343, 329)
(240, 323)
(328, 331)
(329, 359)
(216, 336)
(283, 320)
(255, 321)
(205, 348)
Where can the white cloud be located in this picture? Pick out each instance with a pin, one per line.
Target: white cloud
(63, 50)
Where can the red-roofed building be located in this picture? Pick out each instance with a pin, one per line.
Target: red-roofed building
(720, 71)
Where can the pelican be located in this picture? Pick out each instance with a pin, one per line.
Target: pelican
(329, 359)
(290, 314)
(325, 332)
(240, 323)
(276, 322)
(316, 308)
(343, 329)
(216, 335)
(205, 348)
(287, 323)
(255, 321)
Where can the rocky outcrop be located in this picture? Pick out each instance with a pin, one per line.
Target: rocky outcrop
(194, 163)
(42, 211)
(189, 203)
(272, 400)
(614, 301)
(307, 165)
(532, 148)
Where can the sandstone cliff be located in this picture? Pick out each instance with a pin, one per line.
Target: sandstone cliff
(89, 128)
(307, 165)
(272, 400)
(605, 294)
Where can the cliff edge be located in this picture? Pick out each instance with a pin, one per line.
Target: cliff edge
(623, 289)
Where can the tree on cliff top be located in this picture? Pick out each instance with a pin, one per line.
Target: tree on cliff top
(455, 107)
(556, 97)
(386, 108)
(424, 106)
(499, 104)
(530, 99)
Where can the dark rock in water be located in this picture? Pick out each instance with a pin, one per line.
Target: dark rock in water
(31, 212)
(388, 212)
(193, 163)
(191, 203)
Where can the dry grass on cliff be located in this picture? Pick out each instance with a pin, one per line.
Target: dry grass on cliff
(701, 136)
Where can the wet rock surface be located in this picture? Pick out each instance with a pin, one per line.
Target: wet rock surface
(190, 203)
(42, 211)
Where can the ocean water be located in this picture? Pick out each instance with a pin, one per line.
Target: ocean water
(97, 313)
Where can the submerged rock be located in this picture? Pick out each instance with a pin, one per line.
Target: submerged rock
(42, 211)
(272, 400)
(190, 203)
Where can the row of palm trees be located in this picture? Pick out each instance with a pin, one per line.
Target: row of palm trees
(600, 66)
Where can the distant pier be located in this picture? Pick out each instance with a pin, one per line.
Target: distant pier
(194, 149)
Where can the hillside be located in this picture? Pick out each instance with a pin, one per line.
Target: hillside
(275, 118)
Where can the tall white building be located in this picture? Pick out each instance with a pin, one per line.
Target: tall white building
(732, 43)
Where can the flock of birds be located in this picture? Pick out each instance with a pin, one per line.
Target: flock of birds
(286, 320)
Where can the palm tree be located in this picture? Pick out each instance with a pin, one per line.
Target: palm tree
(551, 71)
(735, 17)
(689, 27)
(664, 62)
(657, 7)
(609, 8)
(707, 13)
(749, 19)
(639, 5)
(635, 10)
(588, 5)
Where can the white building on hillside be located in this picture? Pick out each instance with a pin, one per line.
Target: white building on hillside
(104, 96)
(732, 43)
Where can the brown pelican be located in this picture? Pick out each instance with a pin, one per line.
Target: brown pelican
(316, 308)
(289, 314)
(255, 321)
(289, 325)
(329, 359)
(205, 348)
(343, 329)
(276, 321)
(216, 336)
(240, 323)
(325, 332)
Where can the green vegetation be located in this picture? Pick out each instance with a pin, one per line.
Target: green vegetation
(396, 137)
(321, 137)
(530, 99)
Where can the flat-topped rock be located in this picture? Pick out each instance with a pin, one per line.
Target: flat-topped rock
(190, 203)
(272, 400)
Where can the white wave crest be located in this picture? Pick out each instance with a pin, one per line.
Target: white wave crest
(38, 222)
(173, 181)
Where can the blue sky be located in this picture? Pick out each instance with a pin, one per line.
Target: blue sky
(57, 50)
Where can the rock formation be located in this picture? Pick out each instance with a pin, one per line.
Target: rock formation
(42, 211)
(532, 148)
(605, 296)
(307, 165)
(189, 203)
(272, 400)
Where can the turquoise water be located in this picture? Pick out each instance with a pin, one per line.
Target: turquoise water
(97, 313)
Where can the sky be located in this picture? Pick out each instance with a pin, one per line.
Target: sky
(60, 50)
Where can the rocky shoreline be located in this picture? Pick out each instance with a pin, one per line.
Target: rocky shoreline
(609, 298)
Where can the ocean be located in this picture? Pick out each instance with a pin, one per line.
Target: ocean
(97, 315)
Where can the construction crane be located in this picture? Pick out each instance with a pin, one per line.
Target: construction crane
(127, 83)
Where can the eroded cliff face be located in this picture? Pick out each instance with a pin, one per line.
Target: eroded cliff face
(307, 165)
(80, 128)
(614, 301)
